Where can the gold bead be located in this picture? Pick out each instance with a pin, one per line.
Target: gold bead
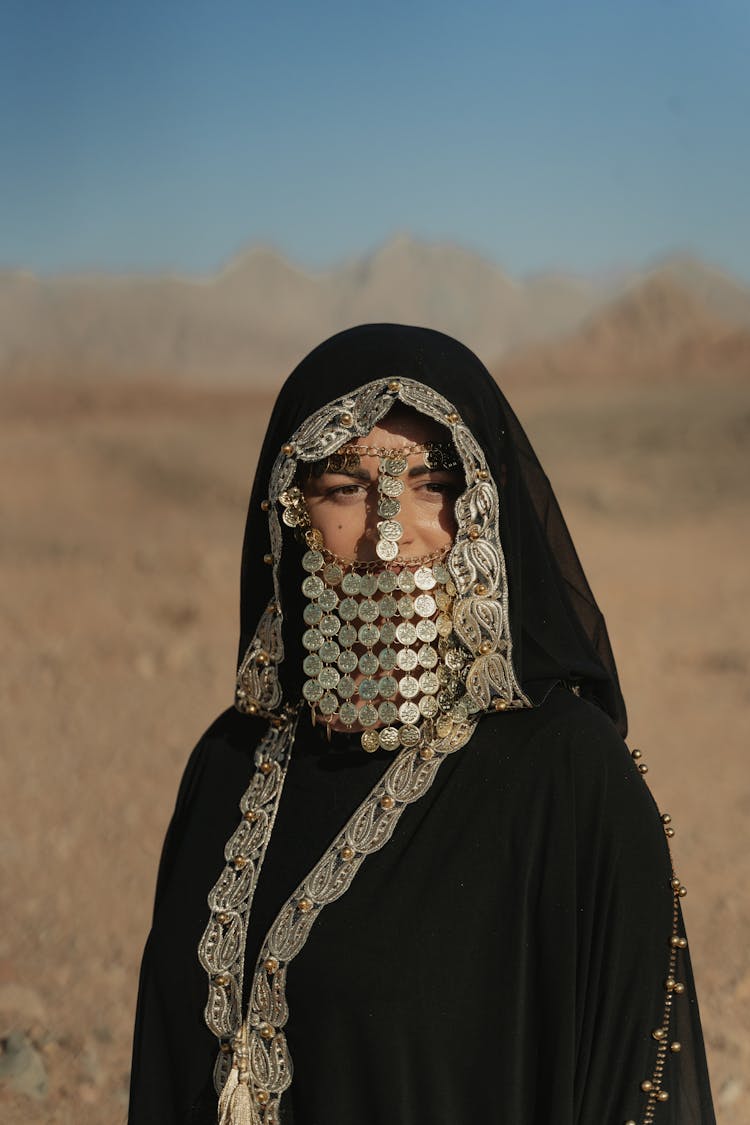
(480, 589)
(265, 505)
(265, 768)
(682, 891)
(643, 768)
(221, 980)
(636, 754)
(239, 862)
(679, 988)
(675, 883)
(394, 386)
(666, 818)
(225, 1048)
(262, 1097)
(658, 1033)
(669, 832)
(223, 918)
(270, 965)
(426, 753)
(482, 474)
(451, 418)
(485, 647)
(669, 983)
(304, 905)
(262, 658)
(474, 532)
(267, 1031)
(387, 802)
(346, 419)
(675, 1047)
(252, 708)
(682, 943)
(631, 1122)
(287, 448)
(647, 1085)
(347, 853)
(662, 1096)
(500, 704)
(251, 816)
(268, 559)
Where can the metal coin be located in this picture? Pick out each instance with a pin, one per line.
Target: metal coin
(428, 706)
(328, 677)
(388, 659)
(329, 652)
(409, 736)
(408, 687)
(369, 635)
(425, 605)
(388, 712)
(351, 583)
(428, 683)
(368, 663)
(394, 466)
(330, 625)
(348, 609)
(454, 658)
(312, 691)
(387, 606)
(408, 713)
(391, 486)
(386, 550)
(347, 661)
(387, 581)
(406, 633)
(388, 686)
(388, 508)
(444, 726)
(405, 581)
(312, 639)
(390, 529)
(426, 631)
(312, 561)
(388, 632)
(443, 601)
(333, 574)
(313, 586)
(368, 715)
(407, 661)
(444, 625)
(388, 738)
(370, 740)
(328, 705)
(450, 587)
(459, 712)
(328, 600)
(368, 584)
(347, 635)
(441, 572)
(368, 689)
(368, 611)
(312, 613)
(426, 656)
(346, 687)
(424, 578)
(348, 713)
(311, 665)
(406, 606)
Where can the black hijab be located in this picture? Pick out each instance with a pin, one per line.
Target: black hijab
(558, 631)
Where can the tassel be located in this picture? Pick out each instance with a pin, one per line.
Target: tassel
(225, 1096)
(236, 1102)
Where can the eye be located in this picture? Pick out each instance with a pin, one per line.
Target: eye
(346, 492)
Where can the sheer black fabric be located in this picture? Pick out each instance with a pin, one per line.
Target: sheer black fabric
(503, 957)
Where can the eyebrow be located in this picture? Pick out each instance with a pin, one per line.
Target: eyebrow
(364, 476)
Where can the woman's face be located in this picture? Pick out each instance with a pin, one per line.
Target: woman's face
(343, 505)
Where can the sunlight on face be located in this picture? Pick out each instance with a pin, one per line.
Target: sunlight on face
(343, 505)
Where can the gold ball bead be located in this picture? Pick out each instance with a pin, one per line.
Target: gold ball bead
(394, 385)
(287, 448)
(482, 474)
(426, 753)
(669, 983)
(451, 418)
(265, 768)
(679, 988)
(682, 943)
(223, 918)
(480, 589)
(304, 905)
(387, 802)
(267, 1031)
(631, 1122)
(666, 818)
(268, 559)
(239, 862)
(662, 1096)
(346, 419)
(647, 1085)
(347, 853)
(636, 754)
(500, 704)
(221, 980)
(262, 658)
(682, 891)
(675, 1047)
(270, 965)
(265, 505)
(643, 768)
(485, 647)
(658, 1033)
(252, 708)
(251, 816)
(262, 1097)
(474, 532)
(675, 883)
(669, 832)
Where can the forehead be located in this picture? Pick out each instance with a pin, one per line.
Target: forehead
(403, 426)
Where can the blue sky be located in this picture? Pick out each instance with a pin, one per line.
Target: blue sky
(576, 134)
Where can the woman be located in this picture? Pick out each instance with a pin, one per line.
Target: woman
(446, 894)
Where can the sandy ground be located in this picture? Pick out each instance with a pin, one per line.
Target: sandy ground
(122, 519)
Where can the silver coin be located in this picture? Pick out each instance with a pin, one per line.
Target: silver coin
(347, 660)
(426, 631)
(425, 605)
(441, 572)
(408, 687)
(368, 584)
(388, 712)
(405, 581)
(408, 713)
(368, 611)
(328, 705)
(312, 613)
(313, 586)
(351, 583)
(424, 578)
(426, 656)
(428, 683)
(406, 606)
(409, 736)
(328, 600)
(391, 486)
(348, 713)
(312, 665)
(454, 659)
(368, 715)
(329, 652)
(333, 574)
(312, 639)
(391, 530)
(387, 606)
(330, 625)
(388, 738)
(387, 581)
(388, 508)
(312, 691)
(368, 689)
(386, 550)
(444, 625)
(369, 635)
(407, 661)
(312, 561)
(346, 687)
(394, 466)
(406, 633)
(368, 663)
(388, 659)
(347, 635)
(428, 706)
(388, 686)
(348, 609)
(459, 712)
(388, 632)
(328, 677)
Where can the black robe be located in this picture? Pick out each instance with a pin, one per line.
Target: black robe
(501, 960)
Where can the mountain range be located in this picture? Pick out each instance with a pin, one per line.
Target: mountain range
(251, 322)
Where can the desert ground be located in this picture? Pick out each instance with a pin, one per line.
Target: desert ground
(123, 510)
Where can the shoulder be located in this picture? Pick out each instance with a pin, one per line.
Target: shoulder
(226, 745)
